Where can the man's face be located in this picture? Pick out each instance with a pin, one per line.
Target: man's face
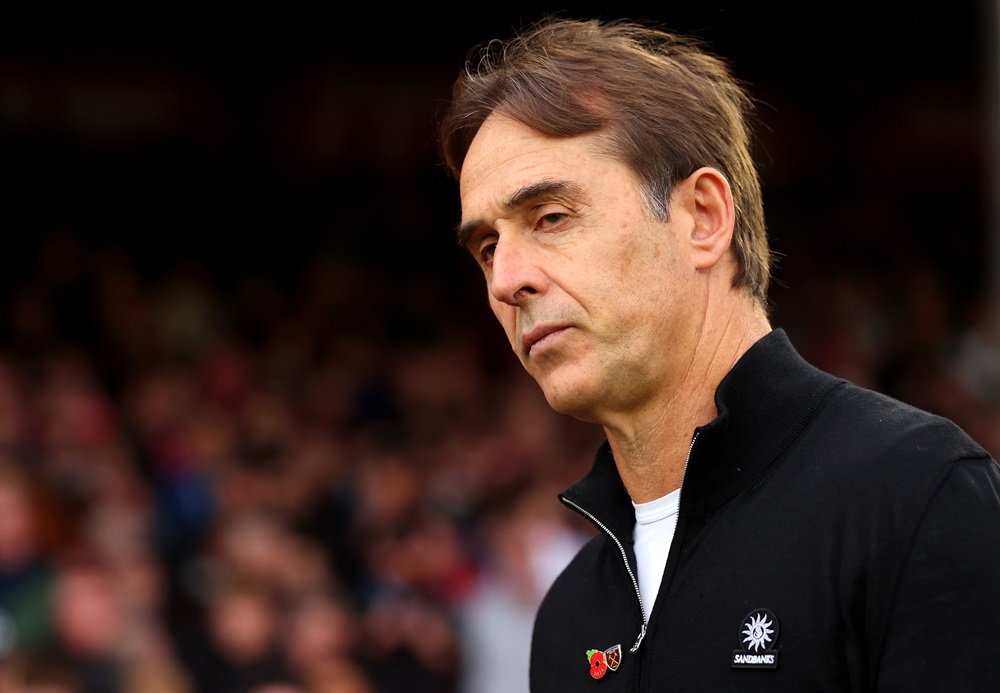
(588, 287)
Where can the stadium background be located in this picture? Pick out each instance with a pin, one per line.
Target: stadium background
(258, 431)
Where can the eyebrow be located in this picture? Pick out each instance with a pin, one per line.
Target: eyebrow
(520, 198)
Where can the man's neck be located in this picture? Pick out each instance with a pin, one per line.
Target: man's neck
(651, 446)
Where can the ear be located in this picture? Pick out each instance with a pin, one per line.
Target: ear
(714, 216)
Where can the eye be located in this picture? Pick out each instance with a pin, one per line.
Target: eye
(551, 219)
(486, 252)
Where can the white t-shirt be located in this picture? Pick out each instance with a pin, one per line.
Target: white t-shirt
(654, 530)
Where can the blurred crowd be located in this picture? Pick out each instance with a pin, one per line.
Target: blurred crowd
(260, 491)
(189, 504)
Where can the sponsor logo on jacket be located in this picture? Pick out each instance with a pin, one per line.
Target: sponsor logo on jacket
(758, 641)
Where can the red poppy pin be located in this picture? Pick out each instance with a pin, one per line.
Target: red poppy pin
(603, 660)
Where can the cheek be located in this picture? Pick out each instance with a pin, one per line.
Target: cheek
(648, 269)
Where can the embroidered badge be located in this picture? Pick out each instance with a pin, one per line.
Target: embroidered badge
(602, 661)
(758, 640)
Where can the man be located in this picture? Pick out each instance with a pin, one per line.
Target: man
(763, 525)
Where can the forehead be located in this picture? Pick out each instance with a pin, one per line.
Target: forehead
(507, 155)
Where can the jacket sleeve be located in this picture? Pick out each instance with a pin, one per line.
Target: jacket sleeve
(944, 628)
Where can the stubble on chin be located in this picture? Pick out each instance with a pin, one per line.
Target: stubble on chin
(567, 390)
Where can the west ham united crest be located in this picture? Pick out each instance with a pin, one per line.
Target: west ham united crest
(758, 641)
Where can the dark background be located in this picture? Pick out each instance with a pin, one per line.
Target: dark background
(242, 144)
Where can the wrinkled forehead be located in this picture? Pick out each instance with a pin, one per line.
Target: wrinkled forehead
(507, 155)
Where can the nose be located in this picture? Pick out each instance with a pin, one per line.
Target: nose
(515, 274)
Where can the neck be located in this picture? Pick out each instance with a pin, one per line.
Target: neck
(651, 445)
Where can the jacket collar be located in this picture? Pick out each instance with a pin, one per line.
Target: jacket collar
(763, 404)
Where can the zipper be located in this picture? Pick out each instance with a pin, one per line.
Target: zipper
(628, 566)
(621, 548)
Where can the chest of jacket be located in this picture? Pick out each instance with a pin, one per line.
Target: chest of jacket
(746, 602)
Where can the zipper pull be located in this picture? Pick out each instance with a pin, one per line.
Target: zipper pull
(642, 634)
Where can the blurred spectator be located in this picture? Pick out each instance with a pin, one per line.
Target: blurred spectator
(526, 542)
(322, 637)
(26, 570)
(91, 626)
(243, 650)
(410, 643)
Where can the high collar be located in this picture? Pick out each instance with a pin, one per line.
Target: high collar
(763, 403)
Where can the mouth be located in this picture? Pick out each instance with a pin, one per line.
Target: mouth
(538, 336)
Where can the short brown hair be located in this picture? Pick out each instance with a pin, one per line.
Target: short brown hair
(667, 105)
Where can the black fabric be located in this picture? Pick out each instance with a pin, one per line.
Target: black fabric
(863, 530)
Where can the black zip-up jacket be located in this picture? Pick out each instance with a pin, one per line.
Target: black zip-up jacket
(829, 538)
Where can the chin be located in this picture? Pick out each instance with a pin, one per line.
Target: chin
(571, 401)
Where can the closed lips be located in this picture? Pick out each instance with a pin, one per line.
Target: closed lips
(537, 334)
